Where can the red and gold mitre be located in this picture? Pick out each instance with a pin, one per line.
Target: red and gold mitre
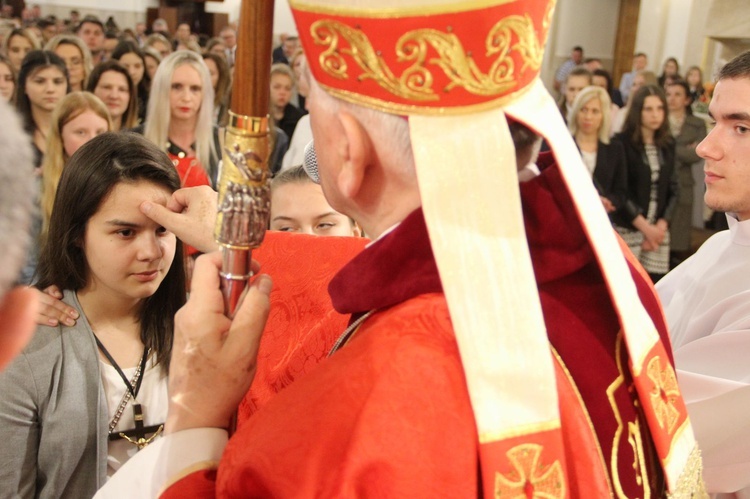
(459, 70)
(433, 59)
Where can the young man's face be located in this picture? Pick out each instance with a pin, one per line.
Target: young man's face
(727, 149)
(639, 63)
(93, 36)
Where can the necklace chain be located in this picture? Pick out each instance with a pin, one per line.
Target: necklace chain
(349, 332)
(124, 402)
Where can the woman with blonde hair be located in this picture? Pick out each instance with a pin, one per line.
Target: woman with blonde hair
(19, 43)
(159, 43)
(78, 118)
(180, 117)
(77, 57)
(589, 121)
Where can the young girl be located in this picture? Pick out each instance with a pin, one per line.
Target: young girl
(221, 81)
(69, 404)
(132, 58)
(42, 82)
(283, 112)
(652, 182)
(298, 205)
(78, 118)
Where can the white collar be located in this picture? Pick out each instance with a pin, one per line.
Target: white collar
(740, 230)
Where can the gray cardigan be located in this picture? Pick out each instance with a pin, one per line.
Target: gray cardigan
(53, 415)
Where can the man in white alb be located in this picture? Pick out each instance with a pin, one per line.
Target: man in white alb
(707, 298)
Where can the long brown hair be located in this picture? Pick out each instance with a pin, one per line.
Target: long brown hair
(90, 175)
(130, 117)
(632, 126)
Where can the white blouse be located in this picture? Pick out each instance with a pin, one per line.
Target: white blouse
(152, 396)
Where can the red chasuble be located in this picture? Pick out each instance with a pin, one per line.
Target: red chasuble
(388, 415)
(302, 324)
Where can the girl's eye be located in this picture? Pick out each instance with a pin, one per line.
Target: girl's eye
(126, 232)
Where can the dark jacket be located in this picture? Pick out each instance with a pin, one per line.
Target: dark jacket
(610, 173)
(639, 183)
(288, 122)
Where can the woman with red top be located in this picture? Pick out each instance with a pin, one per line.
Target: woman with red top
(180, 111)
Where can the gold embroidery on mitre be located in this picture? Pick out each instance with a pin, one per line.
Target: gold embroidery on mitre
(416, 82)
(664, 394)
(530, 478)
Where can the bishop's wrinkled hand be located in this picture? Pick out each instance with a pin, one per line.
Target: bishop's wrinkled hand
(214, 358)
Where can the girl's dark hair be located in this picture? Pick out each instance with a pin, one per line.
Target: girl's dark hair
(604, 74)
(130, 117)
(130, 47)
(90, 175)
(684, 85)
(223, 88)
(663, 77)
(32, 63)
(632, 126)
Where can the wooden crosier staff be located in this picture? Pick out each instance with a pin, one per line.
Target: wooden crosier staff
(244, 194)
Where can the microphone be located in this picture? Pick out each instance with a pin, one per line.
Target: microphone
(310, 162)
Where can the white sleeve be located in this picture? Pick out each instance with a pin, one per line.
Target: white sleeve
(148, 472)
(671, 282)
(714, 378)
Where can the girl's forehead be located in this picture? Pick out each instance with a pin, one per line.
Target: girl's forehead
(276, 76)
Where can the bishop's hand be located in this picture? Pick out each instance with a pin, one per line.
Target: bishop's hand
(214, 358)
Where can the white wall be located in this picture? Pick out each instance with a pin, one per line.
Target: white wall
(125, 12)
(282, 14)
(592, 24)
(672, 28)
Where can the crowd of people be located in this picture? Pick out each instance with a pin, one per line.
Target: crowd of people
(648, 143)
(173, 88)
(413, 363)
(126, 98)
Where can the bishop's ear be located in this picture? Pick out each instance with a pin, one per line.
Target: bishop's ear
(357, 154)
